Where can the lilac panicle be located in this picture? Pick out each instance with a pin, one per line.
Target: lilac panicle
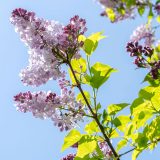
(39, 35)
(143, 32)
(141, 54)
(49, 42)
(105, 149)
(49, 105)
(63, 109)
(68, 41)
(116, 5)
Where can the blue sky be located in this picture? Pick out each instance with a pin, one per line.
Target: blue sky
(23, 137)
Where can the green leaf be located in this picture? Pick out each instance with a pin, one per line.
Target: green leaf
(98, 106)
(141, 118)
(151, 81)
(92, 127)
(106, 118)
(150, 14)
(147, 92)
(141, 140)
(100, 74)
(122, 143)
(129, 3)
(158, 19)
(114, 134)
(97, 36)
(81, 99)
(135, 154)
(152, 131)
(81, 38)
(137, 102)
(128, 131)
(156, 101)
(141, 10)
(72, 137)
(91, 42)
(114, 108)
(86, 145)
(121, 120)
(110, 14)
(89, 46)
(79, 66)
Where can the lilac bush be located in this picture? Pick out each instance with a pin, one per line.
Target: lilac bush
(52, 45)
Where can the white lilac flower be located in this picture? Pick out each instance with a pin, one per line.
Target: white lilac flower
(143, 32)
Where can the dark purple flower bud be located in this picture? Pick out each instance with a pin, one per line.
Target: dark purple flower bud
(154, 73)
(75, 145)
(50, 97)
(157, 8)
(19, 12)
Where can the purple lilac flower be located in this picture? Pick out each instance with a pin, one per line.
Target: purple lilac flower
(141, 54)
(50, 44)
(68, 41)
(39, 35)
(116, 5)
(106, 150)
(143, 32)
(107, 153)
(62, 109)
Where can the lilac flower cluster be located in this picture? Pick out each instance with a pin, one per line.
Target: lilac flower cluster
(117, 5)
(49, 42)
(155, 70)
(142, 53)
(39, 35)
(106, 150)
(157, 8)
(68, 41)
(62, 109)
(143, 32)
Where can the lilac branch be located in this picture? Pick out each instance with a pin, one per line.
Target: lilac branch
(92, 112)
